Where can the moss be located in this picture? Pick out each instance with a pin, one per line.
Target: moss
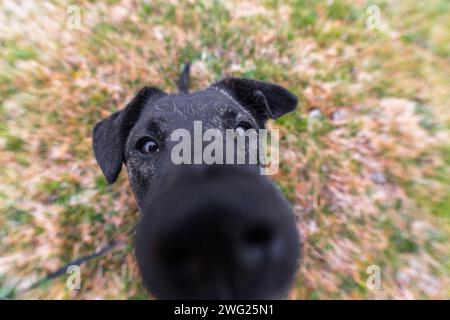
(304, 14)
(338, 10)
(7, 291)
(403, 243)
(13, 52)
(350, 286)
(14, 144)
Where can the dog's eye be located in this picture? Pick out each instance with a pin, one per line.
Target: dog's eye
(242, 128)
(148, 146)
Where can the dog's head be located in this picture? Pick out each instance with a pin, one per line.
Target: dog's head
(206, 231)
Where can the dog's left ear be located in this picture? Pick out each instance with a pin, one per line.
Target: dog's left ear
(110, 134)
(264, 99)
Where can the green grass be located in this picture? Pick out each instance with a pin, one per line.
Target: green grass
(12, 52)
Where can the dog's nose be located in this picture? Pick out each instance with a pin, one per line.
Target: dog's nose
(217, 232)
(216, 250)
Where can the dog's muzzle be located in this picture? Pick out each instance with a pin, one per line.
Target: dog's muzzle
(216, 232)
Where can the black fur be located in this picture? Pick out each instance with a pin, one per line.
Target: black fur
(259, 262)
(264, 99)
(183, 82)
(110, 134)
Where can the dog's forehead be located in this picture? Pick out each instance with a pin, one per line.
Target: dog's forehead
(210, 106)
(200, 101)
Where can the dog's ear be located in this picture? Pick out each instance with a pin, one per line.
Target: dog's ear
(110, 134)
(264, 99)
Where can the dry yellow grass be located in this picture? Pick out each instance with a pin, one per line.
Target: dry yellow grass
(365, 159)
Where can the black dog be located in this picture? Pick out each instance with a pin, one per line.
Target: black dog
(206, 231)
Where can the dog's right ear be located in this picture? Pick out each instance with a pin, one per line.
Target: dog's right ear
(110, 134)
(264, 99)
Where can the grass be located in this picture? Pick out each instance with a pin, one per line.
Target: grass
(365, 158)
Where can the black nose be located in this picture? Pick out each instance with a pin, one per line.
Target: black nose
(217, 233)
